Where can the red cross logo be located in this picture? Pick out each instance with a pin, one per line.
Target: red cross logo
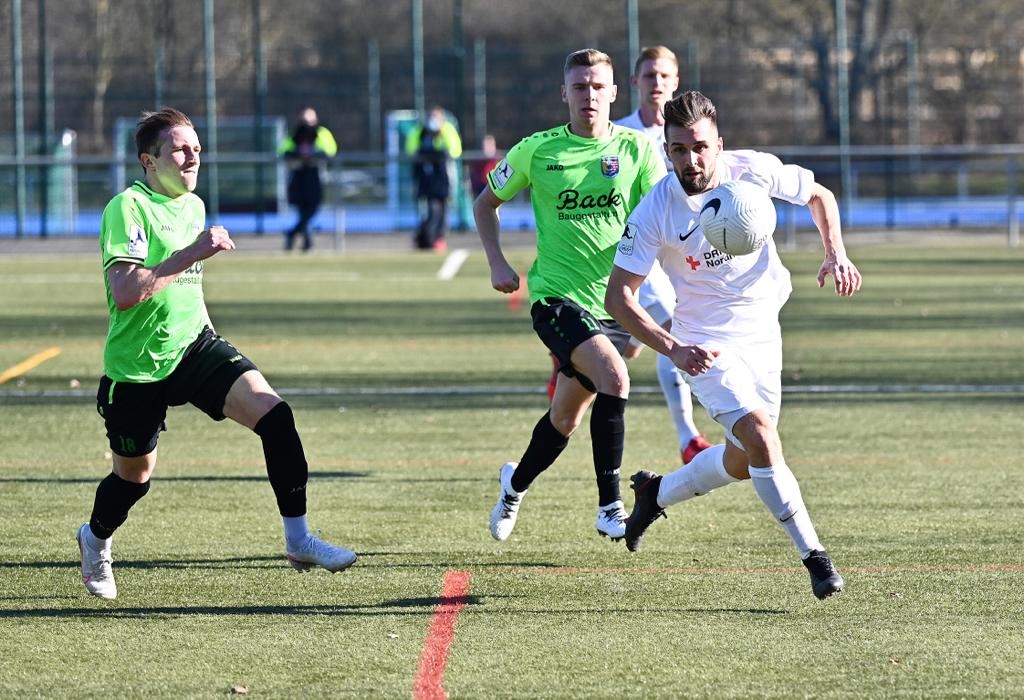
(694, 262)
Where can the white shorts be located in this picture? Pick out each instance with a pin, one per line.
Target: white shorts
(743, 378)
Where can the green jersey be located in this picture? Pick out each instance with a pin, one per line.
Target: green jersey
(582, 190)
(146, 342)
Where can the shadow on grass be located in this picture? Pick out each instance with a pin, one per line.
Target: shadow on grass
(602, 611)
(262, 478)
(422, 606)
(400, 606)
(457, 561)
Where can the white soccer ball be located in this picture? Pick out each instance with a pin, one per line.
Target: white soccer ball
(738, 217)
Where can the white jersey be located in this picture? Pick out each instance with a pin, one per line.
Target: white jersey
(655, 133)
(656, 294)
(720, 298)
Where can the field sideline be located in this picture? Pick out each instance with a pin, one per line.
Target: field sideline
(901, 418)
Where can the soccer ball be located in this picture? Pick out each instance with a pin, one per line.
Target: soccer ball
(738, 217)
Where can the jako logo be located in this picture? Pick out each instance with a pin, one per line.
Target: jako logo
(556, 166)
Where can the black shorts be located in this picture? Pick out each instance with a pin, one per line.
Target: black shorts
(562, 325)
(134, 412)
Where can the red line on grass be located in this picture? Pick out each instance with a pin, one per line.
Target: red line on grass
(430, 677)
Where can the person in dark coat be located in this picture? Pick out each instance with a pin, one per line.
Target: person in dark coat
(306, 151)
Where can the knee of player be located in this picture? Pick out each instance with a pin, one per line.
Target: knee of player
(759, 437)
(565, 423)
(614, 381)
(278, 419)
(736, 462)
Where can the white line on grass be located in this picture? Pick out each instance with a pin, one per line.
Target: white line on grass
(524, 390)
(452, 264)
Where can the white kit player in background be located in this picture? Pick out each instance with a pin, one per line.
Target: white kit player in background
(656, 78)
(725, 333)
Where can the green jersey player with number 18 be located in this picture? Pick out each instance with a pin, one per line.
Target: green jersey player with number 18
(162, 351)
(585, 178)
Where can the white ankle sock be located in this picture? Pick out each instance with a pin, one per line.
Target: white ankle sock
(778, 489)
(678, 398)
(704, 473)
(295, 530)
(95, 542)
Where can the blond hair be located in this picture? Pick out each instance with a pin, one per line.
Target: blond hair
(586, 57)
(653, 53)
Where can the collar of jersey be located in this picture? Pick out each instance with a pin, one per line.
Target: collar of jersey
(153, 194)
(612, 127)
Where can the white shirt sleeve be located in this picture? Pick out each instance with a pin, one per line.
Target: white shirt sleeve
(641, 241)
(786, 181)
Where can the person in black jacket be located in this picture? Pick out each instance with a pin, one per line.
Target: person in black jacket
(306, 151)
(434, 145)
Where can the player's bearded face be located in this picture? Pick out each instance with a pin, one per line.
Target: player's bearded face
(694, 153)
(695, 183)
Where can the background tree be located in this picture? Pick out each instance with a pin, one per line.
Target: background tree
(771, 64)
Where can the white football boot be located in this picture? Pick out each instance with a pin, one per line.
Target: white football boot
(97, 569)
(611, 521)
(505, 512)
(316, 552)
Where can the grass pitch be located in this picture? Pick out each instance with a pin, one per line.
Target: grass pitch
(410, 392)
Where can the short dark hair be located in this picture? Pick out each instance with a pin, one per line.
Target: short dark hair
(586, 57)
(689, 108)
(152, 124)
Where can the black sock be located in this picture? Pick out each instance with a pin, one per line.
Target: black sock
(286, 461)
(545, 446)
(114, 498)
(608, 434)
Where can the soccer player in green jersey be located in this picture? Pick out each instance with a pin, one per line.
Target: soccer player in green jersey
(585, 178)
(162, 351)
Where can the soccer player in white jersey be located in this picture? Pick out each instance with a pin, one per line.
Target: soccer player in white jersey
(656, 78)
(725, 333)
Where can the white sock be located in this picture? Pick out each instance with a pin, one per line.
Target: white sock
(678, 398)
(295, 530)
(96, 543)
(777, 488)
(704, 473)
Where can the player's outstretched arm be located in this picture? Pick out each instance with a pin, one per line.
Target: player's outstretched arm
(825, 213)
(504, 278)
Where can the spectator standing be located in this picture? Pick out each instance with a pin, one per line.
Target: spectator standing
(306, 152)
(433, 145)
